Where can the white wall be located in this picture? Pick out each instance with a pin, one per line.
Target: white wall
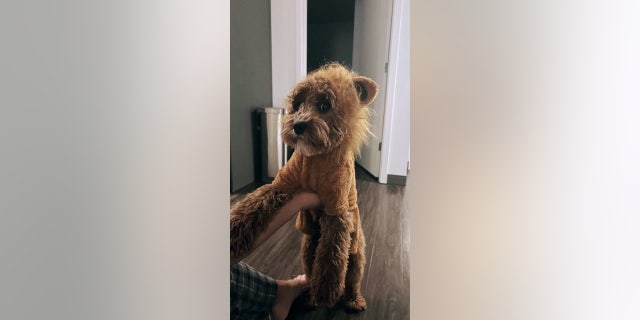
(288, 46)
(371, 39)
(525, 180)
(395, 148)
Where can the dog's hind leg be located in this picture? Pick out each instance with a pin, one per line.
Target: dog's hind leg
(308, 253)
(310, 238)
(353, 299)
(326, 284)
(250, 217)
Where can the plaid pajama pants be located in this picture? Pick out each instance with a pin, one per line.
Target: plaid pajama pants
(252, 293)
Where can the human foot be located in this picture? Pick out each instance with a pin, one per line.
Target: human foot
(288, 291)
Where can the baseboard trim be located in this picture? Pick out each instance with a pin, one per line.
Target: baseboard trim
(397, 180)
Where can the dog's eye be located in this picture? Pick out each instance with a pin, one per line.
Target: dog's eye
(296, 105)
(324, 106)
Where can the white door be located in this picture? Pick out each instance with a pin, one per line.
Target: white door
(371, 33)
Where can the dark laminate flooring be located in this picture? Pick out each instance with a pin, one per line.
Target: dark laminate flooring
(385, 284)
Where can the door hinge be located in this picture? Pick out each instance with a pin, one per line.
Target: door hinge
(380, 146)
(386, 67)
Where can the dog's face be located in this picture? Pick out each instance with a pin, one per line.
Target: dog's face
(327, 110)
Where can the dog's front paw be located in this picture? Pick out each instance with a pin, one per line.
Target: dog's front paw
(326, 292)
(355, 304)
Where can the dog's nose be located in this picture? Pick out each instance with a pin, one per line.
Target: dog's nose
(299, 127)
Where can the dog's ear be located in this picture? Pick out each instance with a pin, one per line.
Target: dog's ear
(367, 89)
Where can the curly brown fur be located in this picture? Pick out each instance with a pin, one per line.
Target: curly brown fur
(353, 299)
(326, 122)
(333, 245)
(250, 216)
(329, 269)
(345, 127)
(308, 252)
(306, 222)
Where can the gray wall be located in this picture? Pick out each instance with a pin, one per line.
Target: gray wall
(250, 81)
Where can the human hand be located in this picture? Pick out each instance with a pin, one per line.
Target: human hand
(306, 200)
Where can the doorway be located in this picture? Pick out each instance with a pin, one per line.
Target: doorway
(329, 32)
(356, 33)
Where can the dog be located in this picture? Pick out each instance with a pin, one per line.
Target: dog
(326, 122)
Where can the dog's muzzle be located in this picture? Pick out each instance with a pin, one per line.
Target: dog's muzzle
(299, 127)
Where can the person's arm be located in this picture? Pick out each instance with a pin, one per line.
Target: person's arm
(301, 200)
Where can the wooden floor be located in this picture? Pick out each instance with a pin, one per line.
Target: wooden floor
(385, 284)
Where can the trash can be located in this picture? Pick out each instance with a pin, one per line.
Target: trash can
(272, 148)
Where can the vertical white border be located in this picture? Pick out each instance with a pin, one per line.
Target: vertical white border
(301, 39)
(392, 80)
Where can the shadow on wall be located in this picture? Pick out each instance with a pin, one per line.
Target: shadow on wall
(250, 82)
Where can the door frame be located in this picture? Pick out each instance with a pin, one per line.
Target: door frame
(397, 15)
(289, 43)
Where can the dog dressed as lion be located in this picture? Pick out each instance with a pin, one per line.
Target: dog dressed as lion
(326, 122)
